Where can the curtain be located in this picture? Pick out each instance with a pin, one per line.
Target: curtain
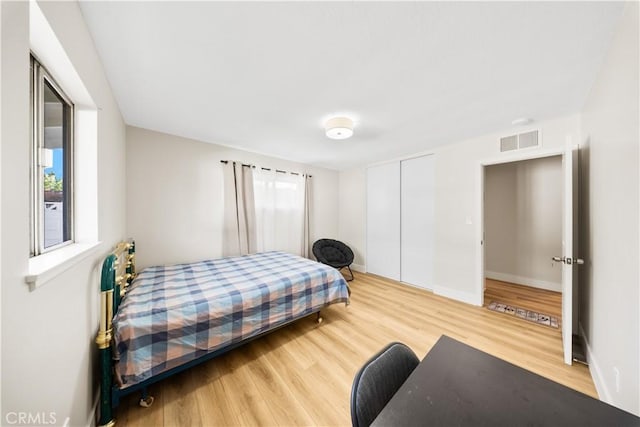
(239, 236)
(306, 226)
(280, 208)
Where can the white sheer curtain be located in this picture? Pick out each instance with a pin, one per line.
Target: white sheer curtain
(280, 211)
(239, 237)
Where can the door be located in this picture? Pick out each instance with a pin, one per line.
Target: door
(568, 258)
(417, 221)
(383, 220)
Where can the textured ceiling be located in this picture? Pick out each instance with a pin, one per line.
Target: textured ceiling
(263, 76)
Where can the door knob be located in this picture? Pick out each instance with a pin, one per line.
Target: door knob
(568, 261)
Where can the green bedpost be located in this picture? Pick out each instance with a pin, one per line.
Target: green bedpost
(104, 340)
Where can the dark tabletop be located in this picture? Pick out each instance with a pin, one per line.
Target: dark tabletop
(458, 385)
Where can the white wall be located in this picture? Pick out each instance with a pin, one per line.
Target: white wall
(610, 185)
(523, 222)
(457, 171)
(48, 359)
(175, 196)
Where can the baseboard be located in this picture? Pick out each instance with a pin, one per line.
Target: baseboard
(417, 286)
(91, 421)
(521, 280)
(359, 268)
(594, 368)
(462, 296)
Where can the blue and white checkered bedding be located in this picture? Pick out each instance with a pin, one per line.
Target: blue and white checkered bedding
(174, 314)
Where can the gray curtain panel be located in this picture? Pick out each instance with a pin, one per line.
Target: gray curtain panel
(306, 230)
(239, 236)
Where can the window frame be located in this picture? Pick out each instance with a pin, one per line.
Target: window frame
(40, 75)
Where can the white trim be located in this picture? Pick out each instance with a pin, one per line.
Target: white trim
(510, 156)
(417, 286)
(521, 280)
(1, 198)
(462, 296)
(46, 267)
(480, 282)
(91, 421)
(359, 268)
(594, 369)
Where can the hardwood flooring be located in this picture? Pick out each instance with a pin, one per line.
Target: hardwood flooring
(302, 373)
(540, 300)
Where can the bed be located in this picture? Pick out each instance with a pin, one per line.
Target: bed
(168, 318)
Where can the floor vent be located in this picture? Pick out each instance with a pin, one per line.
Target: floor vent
(521, 140)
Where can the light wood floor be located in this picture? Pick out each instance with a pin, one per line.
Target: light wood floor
(302, 374)
(540, 300)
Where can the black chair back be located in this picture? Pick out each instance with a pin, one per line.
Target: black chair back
(378, 380)
(332, 252)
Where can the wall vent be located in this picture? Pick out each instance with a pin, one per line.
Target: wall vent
(521, 140)
(509, 143)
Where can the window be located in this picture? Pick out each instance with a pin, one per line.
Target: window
(51, 163)
(279, 203)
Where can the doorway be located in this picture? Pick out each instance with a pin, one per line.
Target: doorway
(567, 185)
(523, 203)
(523, 231)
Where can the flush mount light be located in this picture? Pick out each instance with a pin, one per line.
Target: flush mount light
(521, 121)
(339, 128)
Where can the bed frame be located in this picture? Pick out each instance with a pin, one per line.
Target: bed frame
(118, 271)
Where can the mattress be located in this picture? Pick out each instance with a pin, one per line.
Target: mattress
(174, 314)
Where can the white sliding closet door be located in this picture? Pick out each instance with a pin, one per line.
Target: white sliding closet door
(417, 221)
(383, 220)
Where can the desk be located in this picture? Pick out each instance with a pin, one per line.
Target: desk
(458, 385)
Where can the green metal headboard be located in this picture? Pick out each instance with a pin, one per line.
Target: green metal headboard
(118, 271)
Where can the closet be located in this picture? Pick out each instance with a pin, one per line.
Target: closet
(400, 220)
(383, 220)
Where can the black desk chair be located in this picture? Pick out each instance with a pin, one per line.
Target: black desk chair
(378, 380)
(334, 253)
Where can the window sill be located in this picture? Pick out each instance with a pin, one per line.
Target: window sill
(46, 267)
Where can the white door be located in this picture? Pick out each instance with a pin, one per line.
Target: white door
(383, 220)
(417, 221)
(569, 258)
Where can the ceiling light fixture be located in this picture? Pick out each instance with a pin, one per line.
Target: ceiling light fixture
(521, 121)
(339, 128)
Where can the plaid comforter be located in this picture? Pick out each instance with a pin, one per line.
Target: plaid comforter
(174, 314)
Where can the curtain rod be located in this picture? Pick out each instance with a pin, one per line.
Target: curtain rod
(264, 169)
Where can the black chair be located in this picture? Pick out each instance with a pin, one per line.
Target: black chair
(334, 253)
(378, 380)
